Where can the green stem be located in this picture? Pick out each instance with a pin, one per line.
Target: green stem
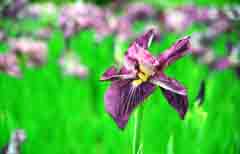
(137, 130)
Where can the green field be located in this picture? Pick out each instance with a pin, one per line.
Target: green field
(66, 115)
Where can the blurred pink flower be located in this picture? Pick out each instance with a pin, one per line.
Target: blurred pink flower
(39, 9)
(14, 144)
(138, 11)
(35, 51)
(177, 20)
(12, 8)
(9, 65)
(2, 36)
(70, 65)
(44, 33)
(75, 17)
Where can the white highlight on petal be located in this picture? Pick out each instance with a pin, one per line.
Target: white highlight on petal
(167, 87)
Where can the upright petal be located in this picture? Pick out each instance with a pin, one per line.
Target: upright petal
(145, 40)
(178, 50)
(137, 56)
(173, 91)
(137, 53)
(122, 98)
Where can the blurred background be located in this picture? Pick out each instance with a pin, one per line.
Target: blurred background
(53, 53)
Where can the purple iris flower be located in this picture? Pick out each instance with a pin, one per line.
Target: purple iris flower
(139, 76)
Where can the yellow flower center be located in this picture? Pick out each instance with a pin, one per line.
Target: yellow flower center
(142, 76)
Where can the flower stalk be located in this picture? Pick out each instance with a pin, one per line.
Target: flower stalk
(137, 145)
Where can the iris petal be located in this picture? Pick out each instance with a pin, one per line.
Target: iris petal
(173, 91)
(168, 83)
(137, 52)
(178, 50)
(137, 56)
(145, 40)
(179, 102)
(113, 74)
(122, 98)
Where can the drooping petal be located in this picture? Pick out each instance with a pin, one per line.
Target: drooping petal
(168, 83)
(178, 50)
(122, 98)
(113, 74)
(179, 102)
(173, 91)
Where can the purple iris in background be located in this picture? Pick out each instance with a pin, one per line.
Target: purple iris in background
(14, 145)
(231, 61)
(139, 76)
(9, 65)
(11, 8)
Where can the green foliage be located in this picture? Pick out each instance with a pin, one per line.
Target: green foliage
(65, 115)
